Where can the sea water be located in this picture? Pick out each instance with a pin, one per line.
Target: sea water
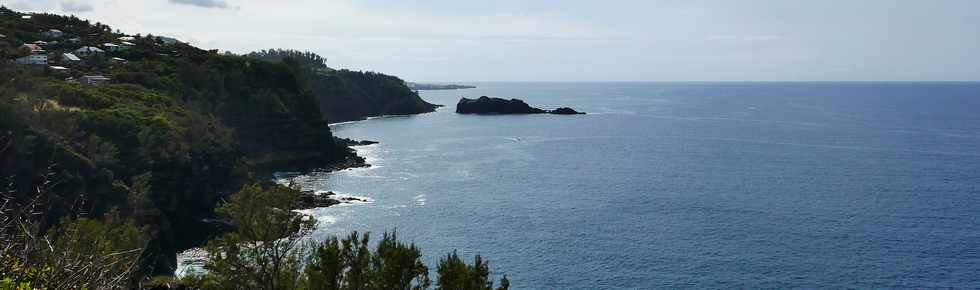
(683, 185)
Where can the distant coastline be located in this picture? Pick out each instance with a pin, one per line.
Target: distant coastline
(436, 87)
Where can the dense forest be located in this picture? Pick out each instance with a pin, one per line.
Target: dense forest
(153, 151)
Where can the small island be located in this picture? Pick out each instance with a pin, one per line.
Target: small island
(436, 87)
(488, 105)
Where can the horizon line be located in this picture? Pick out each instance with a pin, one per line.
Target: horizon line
(462, 82)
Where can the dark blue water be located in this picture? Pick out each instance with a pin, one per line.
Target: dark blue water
(685, 185)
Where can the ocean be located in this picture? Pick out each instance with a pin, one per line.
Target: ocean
(683, 185)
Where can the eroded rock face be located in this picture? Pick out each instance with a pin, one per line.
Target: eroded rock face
(488, 105)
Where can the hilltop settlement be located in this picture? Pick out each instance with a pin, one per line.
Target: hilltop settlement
(157, 131)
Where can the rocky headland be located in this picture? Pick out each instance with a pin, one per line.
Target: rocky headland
(488, 105)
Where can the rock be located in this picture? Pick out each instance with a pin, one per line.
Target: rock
(309, 200)
(487, 105)
(566, 111)
(352, 142)
(353, 199)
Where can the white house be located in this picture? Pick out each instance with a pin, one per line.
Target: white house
(89, 50)
(111, 47)
(127, 38)
(119, 60)
(93, 79)
(70, 58)
(53, 33)
(34, 59)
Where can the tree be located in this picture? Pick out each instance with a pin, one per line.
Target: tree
(350, 264)
(264, 252)
(399, 265)
(455, 274)
(80, 253)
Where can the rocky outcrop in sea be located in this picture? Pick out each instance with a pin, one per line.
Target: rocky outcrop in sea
(488, 105)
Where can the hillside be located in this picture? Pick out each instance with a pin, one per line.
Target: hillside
(347, 95)
(161, 130)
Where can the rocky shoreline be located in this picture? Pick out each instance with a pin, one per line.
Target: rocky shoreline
(311, 199)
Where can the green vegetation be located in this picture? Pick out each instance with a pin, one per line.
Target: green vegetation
(79, 253)
(346, 95)
(107, 182)
(267, 252)
(306, 59)
(350, 95)
(269, 249)
(176, 130)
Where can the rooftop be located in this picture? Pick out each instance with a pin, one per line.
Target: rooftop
(86, 49)
(33, 47)
(70, 57)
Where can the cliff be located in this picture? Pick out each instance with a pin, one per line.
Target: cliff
(174, 132)
(351, 95)
(346, 95)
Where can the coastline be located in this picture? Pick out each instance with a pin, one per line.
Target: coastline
(314, 198)
(191, 261)
(341, 123)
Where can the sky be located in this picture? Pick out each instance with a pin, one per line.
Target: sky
(577, 40)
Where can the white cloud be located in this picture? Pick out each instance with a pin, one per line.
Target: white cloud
(76, 6)
(32, 5)
(202, 3)
(591, 40)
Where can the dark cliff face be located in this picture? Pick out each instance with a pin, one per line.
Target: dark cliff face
(487, 105)
(350, 95)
